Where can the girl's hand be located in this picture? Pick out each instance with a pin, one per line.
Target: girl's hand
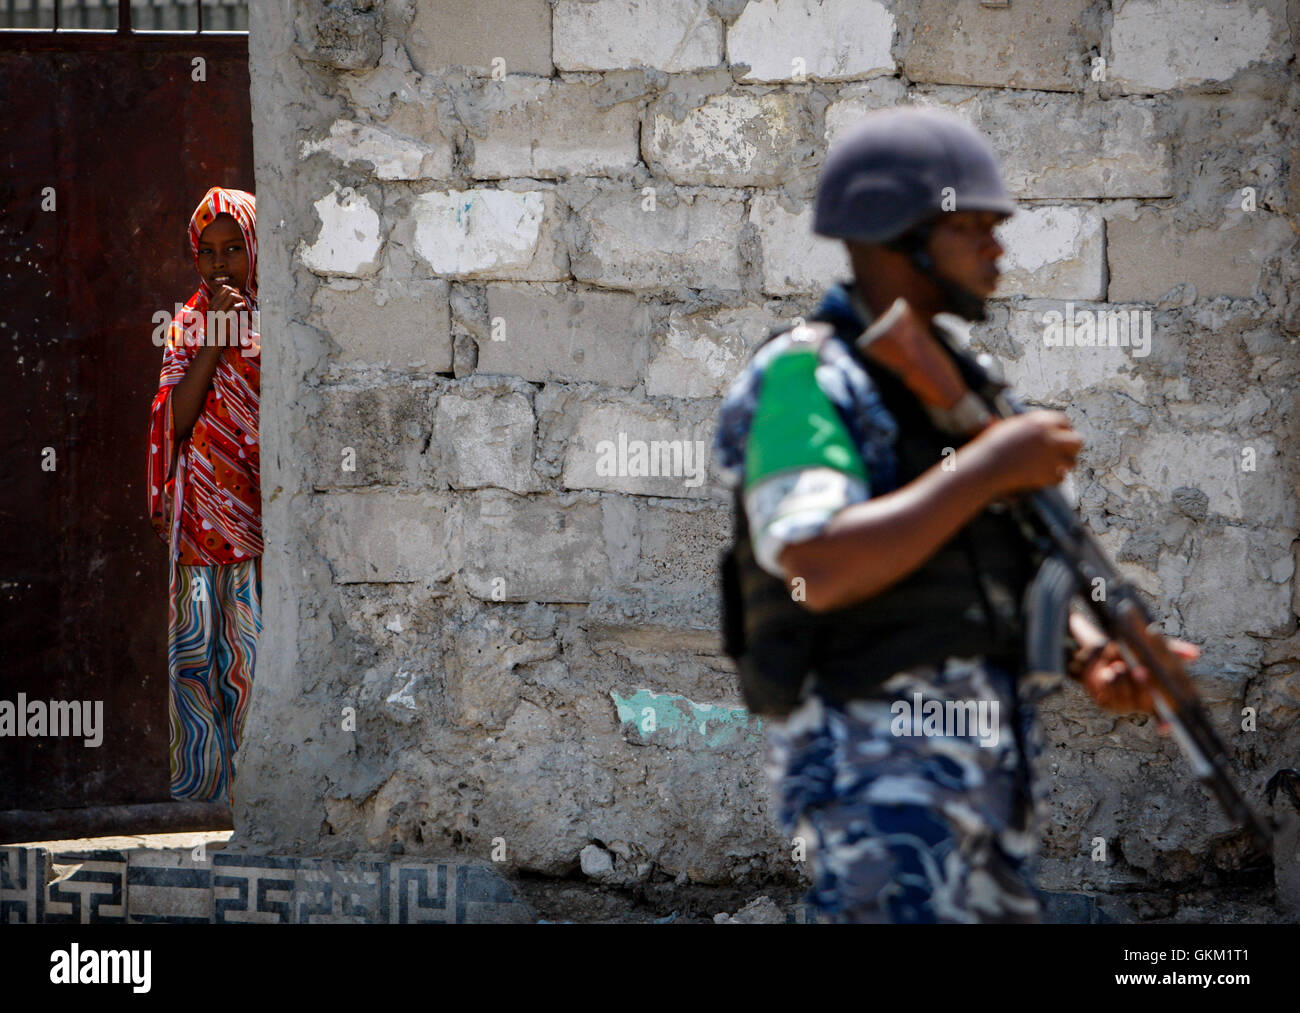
(228, 298)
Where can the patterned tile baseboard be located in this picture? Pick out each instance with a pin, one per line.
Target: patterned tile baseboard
(85, 886)
(182, 885)
(22, 885)
(179, 886)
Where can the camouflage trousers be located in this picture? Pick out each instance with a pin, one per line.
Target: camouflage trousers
(915, 806)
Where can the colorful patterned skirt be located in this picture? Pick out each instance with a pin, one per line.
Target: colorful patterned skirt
(214, 622)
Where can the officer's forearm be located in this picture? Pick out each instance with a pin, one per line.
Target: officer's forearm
(868, 546)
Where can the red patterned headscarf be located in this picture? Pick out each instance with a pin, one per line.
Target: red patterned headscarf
(242, 207)
(205, 498)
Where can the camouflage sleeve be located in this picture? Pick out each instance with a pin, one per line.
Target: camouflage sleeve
(801, 464)
(783, 436)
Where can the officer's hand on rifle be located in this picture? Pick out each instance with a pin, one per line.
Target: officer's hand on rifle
(1018, 454)
(1100, 666)
(1026, 452)
(1022, 453)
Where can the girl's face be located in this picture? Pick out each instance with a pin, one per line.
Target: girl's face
(223, 258)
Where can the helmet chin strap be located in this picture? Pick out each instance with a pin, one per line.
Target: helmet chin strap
(960, 299)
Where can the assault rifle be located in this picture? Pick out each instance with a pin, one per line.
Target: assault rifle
(1075, 565)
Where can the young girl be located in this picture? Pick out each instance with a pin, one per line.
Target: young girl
(205, 498)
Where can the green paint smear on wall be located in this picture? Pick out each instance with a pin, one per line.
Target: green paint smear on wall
(658, 713)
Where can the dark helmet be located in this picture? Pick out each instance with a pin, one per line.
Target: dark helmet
(891, 177)
(890, 174)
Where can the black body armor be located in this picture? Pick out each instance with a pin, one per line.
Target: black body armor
(964, 601)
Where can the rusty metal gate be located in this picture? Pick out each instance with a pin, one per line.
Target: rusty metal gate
(108, 141)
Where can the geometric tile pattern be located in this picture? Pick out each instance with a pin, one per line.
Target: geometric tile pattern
(22, 885)
(168, 886)
(178, 886)
(85, 887)
(252, 888)
(341, 893)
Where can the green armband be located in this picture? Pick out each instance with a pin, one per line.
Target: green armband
(795, 424)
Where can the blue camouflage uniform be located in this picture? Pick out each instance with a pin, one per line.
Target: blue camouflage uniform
(898, 827)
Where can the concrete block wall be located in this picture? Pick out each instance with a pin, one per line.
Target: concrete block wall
(508, 245)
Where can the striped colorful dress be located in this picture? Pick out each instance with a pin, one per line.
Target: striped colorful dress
(205, 504)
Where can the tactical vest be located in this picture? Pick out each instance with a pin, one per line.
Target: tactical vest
(965, 601)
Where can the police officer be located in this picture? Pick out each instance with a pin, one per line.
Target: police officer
(874, 590)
